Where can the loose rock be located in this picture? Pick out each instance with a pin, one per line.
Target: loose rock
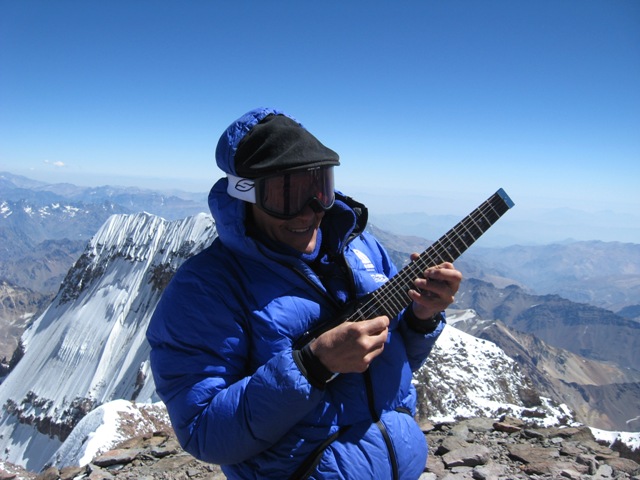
(474, 449)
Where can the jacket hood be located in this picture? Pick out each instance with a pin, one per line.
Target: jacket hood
(228, 212)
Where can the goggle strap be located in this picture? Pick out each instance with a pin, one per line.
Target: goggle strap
(241, 188)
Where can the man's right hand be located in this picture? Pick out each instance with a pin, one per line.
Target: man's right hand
(351, 346)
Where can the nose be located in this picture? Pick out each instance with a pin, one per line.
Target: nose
(316, 206)
(311, 211)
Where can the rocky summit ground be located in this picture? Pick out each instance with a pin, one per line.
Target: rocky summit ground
(479, 449)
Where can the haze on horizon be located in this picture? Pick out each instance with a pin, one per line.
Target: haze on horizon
(432, 106)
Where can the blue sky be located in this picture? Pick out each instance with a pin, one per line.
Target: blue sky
(431, 105)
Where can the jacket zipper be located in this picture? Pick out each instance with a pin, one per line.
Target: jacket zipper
(369, 387)
(367, 378)
(370, 394)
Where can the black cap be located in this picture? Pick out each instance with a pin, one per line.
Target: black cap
(278, 144)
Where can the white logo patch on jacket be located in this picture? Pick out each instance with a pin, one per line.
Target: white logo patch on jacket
(370, 267)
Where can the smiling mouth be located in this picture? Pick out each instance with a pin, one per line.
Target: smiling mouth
(301, 230)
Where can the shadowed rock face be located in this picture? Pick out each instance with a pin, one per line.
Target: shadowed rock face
(478, 448)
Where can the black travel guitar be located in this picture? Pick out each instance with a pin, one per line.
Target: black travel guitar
(391, 298)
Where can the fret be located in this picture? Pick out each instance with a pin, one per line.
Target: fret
(460, 236)
(471, 229)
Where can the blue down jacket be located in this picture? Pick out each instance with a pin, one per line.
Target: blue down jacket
(221, 354)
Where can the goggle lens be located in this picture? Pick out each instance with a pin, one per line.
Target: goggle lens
(287, 195)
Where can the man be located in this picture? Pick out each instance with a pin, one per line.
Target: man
(245, 388)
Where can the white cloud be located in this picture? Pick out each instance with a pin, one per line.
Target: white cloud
(58, 164)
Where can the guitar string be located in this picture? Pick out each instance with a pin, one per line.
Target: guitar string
(451, 241)
(394, 298)
(393, 293)
(443, 251)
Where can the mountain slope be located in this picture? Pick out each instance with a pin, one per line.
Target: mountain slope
(89, 346)
(601, 394)
(470, 377)
(45, 227)
(589, 331)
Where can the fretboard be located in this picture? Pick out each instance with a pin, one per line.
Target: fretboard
(392, 297)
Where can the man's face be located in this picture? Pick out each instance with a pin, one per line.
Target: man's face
(299, 233)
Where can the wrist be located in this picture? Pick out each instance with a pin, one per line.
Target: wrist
(312, 368)
(419, 325)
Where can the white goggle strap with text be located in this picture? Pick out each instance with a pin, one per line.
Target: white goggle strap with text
(241, 188)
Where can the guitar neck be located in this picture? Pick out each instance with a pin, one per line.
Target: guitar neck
(391, 298)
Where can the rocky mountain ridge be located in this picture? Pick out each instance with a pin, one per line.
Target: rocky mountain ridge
(600, 394)
(583, 329)
(477, 448)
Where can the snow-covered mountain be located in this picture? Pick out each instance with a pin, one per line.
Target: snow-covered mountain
(89, 346)
(468, 377)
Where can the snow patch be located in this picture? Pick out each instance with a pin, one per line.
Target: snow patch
(105, 427)
(630, 439)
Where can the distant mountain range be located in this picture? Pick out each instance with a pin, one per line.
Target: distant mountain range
(541, 227)
(33, 214)
(43, 196)
(44, 227)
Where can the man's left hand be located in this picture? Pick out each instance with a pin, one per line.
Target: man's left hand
(436, 291)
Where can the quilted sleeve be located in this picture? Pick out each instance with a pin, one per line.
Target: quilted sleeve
(199, 356)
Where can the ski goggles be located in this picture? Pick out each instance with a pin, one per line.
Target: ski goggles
(286, 195)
